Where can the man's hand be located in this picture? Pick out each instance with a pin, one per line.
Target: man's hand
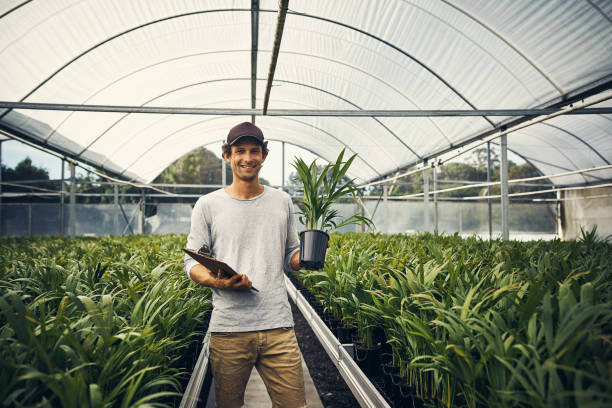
(236, 282)
(295, 260)
(202, 275)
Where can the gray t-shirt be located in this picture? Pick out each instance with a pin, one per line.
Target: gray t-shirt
(256, 237)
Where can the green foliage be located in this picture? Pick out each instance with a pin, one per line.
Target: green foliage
(24, 170)
(474, 170)
(96, 322)
(200, 166)
(322, 188)
(475, 323)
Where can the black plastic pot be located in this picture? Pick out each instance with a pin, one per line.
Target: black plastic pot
(389, 370)
(345, 335)
(313, 246)
(368, 359)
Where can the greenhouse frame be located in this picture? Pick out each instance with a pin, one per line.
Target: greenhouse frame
(125, 89)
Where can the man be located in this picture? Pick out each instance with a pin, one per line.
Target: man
(251, 227)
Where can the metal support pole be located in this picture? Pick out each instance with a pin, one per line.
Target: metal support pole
(505, 203)
(72, 207)
(426, 198)
(489, 204)
(280, 24)
(359, 210)
(254, 49)
(559, 215)
(223, 171)
(1, 220)
(435, 197)
(61, 209)
(30, 218)
(460, 218)
(141, 224)
(283, 168)
(385, 223)
(116, 210)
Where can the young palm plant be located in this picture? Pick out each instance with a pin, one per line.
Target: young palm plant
(321, 191)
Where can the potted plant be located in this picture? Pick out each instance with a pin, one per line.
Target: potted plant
(321, 191)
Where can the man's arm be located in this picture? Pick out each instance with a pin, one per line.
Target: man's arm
(295, 261)
(203, 276)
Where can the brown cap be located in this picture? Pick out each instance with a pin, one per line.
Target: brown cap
(244, 129)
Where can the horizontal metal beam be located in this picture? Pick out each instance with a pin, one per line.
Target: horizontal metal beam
(23, 137)
(166, 110)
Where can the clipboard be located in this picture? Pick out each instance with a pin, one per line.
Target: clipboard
(213, 264)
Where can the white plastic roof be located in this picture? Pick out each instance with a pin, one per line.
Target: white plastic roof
(341, 54)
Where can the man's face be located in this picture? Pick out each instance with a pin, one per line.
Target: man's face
(246, 159)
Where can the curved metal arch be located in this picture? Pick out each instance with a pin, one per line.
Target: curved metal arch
(396, 48)
(433, 122)
(557, 167)
(31, 28)
(349, 122)
(354, 105)
(596, 7)
(414, 59)
(577, 138)
(119, 147)
(235, 79)
(151, 100)
(232, 79)
(527, 159)
(221, 140)
(275, 140)
(556, 148)
(507, 42)
(533, 159)
(459, 32)
(295, 145)
(132, 73)
(109, 39)
(6, 13)
(151, 147)
(330, 135)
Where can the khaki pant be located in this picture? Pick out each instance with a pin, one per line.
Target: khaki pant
(275, 354)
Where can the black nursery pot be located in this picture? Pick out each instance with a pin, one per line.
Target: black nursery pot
(368, 359)
(313, 246)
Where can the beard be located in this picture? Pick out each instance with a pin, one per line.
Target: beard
(244, 176)
(247, 178)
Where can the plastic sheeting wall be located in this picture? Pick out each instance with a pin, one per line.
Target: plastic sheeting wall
(587, 208)
(527, 221)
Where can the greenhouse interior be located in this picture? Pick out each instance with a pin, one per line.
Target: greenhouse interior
(453, 156)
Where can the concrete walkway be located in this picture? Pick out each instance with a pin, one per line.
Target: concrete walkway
(256, 395)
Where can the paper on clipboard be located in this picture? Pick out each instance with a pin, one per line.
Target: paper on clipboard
(213, 264)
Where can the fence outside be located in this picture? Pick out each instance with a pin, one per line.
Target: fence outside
(526, 219)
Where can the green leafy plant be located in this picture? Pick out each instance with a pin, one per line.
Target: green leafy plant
(474, 323)
(322, 190)
(105, 322)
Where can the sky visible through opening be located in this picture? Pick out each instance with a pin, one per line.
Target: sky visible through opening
(14, 152)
